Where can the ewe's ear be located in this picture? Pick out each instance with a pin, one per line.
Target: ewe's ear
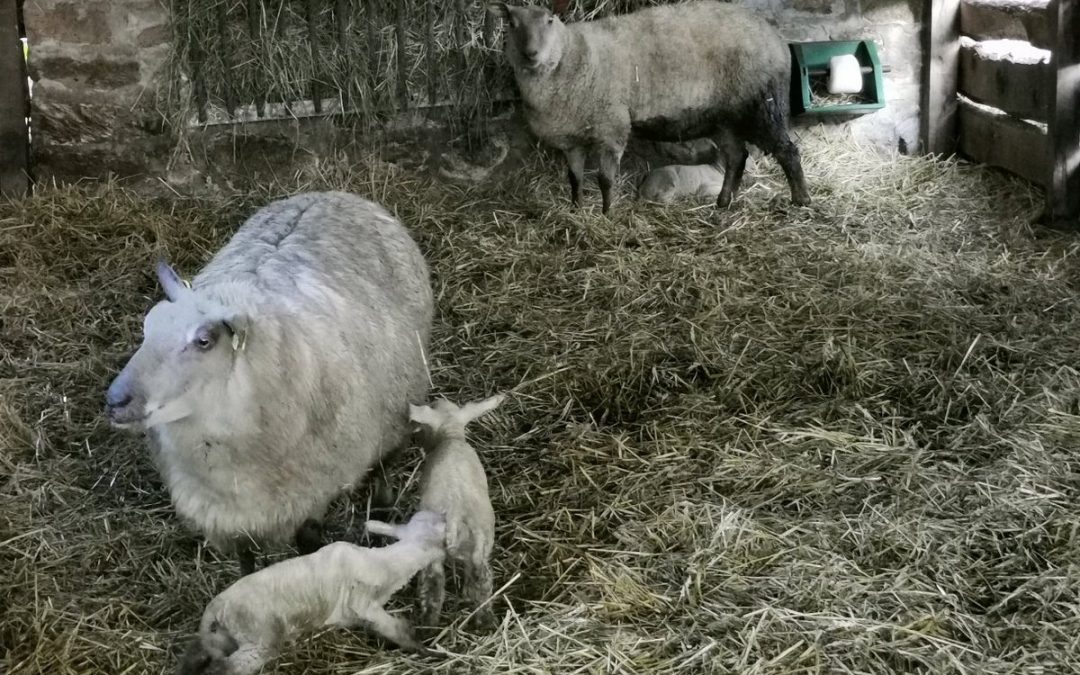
(170, 281)
(499, 9)
(471, 411)
(238, 327)
(422, 414)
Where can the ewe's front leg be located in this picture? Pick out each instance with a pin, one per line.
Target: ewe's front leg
(575, 172)
(609, 171)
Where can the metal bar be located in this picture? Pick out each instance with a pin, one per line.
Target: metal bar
(402, 67)
(341, 23)
(254, 12)
(311, 15)
(225, 53)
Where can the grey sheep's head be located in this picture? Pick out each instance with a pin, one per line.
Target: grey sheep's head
(185, 357)
(534, 37)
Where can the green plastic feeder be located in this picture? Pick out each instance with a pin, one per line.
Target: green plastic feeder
(810, 66)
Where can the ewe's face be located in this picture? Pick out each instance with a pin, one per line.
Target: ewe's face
(533, 38)
(185, 356)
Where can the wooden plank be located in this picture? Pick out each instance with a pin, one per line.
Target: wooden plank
(371, 16)
(1008, 75)
(1063, 193)
(14, 142)
(941, 72)
(1007, 20)
(994, 138)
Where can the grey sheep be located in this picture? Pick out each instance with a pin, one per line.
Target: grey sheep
(341, 584)
(283, 374)
(669, 73)
(454, 484)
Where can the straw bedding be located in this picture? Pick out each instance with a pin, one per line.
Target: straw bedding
(838, 439)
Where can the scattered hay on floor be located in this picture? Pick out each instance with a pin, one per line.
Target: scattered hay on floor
(768, 440)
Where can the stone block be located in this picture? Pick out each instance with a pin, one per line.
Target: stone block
(152, 36)
(67, 22)
(96, 72)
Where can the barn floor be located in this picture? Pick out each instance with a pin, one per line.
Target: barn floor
(840, 439)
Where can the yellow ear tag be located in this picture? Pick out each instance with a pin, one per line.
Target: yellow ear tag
(238, 342)
(186, 283)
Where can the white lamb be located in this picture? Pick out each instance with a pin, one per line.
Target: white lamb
(668, 183)
(454, 484)
(341, 584)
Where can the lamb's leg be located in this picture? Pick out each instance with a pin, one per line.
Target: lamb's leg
(575, 172)
(394, 629)
(431, 592)
(732, 155)
(248, 659)
(771, 135)
(478, 582)
(309, 536)
(609, 171)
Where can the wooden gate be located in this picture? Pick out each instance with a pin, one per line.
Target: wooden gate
(1003, 87)
(14, 107)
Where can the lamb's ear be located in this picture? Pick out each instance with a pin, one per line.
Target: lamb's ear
(170, 281)
(471, 411)
(422, 414)
(499, 9)
(379, 527)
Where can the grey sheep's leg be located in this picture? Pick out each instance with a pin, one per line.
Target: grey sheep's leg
(431, 592)
(575, 172)
(609, 171)
(309, 536)
(245, 552)
(478, 581)
(732, 154)
(770, 125)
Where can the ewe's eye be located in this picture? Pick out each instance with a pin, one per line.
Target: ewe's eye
(203, 340)
(551, 19)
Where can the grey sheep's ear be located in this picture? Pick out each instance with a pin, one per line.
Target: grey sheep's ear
(499, 9)
(170, 281)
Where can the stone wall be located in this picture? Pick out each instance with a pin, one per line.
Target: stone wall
(895, 25)
(100, 66)
(97, 66)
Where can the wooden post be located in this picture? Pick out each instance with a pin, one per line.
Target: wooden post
(941, 47)
(1063, 191)
(225, 53)
(14, 142)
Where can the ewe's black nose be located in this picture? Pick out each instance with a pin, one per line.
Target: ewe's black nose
(531, 53)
